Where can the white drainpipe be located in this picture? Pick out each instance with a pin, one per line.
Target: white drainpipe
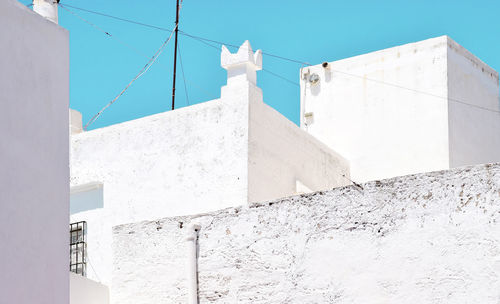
(192, 260)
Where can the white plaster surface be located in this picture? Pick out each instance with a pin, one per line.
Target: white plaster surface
(425, 238)
(86, 291)
(217, 154)
(34, 174)
(181, 162)
(386, 130)
(282, 155)
(474, 133)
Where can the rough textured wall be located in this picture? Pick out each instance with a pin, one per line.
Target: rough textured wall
(34, 192)
(426, 238)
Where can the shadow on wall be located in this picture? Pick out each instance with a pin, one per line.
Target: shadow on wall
(86, 197)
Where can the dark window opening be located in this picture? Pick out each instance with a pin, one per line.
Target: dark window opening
(78, 248)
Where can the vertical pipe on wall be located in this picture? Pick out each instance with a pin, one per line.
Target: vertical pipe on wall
(192, 261)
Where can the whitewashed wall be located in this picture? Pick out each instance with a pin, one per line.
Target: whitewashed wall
(474, 131)
(221, 153)
(86, 291)
(282, 156)
(175, 163)
(386, 130)
(425, 238)
(34, 192)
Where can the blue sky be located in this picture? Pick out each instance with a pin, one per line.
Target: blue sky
(308, 30)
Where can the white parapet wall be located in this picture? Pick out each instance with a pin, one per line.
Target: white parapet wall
(418, 107)
(86, 291)
(474, 131)
(221, 153)
(425, 238)
(34, 158)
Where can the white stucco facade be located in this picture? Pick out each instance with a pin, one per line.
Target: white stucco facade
(34, 158)
(424, 238)
(395, 111)
(86, 291)
(213, 155)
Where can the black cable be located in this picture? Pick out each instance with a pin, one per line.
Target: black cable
(265, 70)
(181, 32)
(279, 76)
(205, 40)
(121, 19)
(235, 46)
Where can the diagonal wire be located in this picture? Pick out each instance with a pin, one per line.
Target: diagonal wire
(181, 32)
(121, 19)
(183, 76)
(416, 91)
(141, 72)
(128, 46)
(93, 269)
(101, 30)
(279, 76)
(205, 40)
(265, 70)
(235, 46)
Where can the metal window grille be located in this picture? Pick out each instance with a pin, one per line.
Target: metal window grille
(78, 248)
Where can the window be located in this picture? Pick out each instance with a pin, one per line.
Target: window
(78, 248)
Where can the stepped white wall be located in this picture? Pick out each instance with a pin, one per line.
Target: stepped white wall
(213, 155)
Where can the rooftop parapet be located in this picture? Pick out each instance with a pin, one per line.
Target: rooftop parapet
(242, 66)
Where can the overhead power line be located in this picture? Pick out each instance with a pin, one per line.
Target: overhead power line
(416, 91)
(102, 30)
(206, 41)
(265, 70)
(235, 46)
(141, 72)
(119, 18)
(180, 32)
(183, 75)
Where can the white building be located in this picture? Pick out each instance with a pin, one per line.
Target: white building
(419, 107)
(34, 172)
(414, 108)
(221, 153)
(34, 161)
(237, 150)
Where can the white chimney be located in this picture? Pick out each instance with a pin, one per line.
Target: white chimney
(47, 9)
(242, 66)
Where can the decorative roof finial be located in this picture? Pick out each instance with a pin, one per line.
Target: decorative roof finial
(243, 65)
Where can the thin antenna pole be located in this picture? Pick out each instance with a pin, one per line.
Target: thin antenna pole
(175, 52)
